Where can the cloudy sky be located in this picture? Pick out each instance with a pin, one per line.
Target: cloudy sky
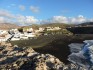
(45, 11)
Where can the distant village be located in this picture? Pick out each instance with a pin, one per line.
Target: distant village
(25, 33)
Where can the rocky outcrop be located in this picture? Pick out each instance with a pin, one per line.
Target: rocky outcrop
(16, 58)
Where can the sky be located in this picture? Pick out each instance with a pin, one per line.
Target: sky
(45, 11)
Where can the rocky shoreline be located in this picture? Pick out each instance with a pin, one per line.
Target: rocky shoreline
(18, 58)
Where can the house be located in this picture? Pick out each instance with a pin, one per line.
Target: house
(3, 32)
(14, 39)
(2, 39)
(30, 30)
(52, 28)
(29, 35)
(23, 37)
(41, 29)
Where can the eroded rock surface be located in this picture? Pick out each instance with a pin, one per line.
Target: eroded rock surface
(16, 58)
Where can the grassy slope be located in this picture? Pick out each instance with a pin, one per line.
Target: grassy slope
(56, 45)
(62, 25)
(37, 42)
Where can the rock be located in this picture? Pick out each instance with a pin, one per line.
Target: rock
(17, 58)
(32, 54)
(47, 62)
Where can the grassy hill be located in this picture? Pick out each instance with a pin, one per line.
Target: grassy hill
(61, 25)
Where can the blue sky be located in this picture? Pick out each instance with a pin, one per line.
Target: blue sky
(47, 9)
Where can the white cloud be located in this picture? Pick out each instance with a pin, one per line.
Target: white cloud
(27, 20)
(31, 19)
(63, 19)
(34, 9)
(7, 14)
(5, 20)
(7, 17)
(78, 19)
(20, 19)
(91, 20)
(59, 19)
(2, 20)
(22, 7)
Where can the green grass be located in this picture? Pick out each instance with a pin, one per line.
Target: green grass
(37, 42)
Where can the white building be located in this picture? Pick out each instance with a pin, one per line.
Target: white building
(30, 34)
(53, 28)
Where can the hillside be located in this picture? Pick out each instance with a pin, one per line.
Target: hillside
(83, 28)
(6, 26)
(87, 24)
(61, 25)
